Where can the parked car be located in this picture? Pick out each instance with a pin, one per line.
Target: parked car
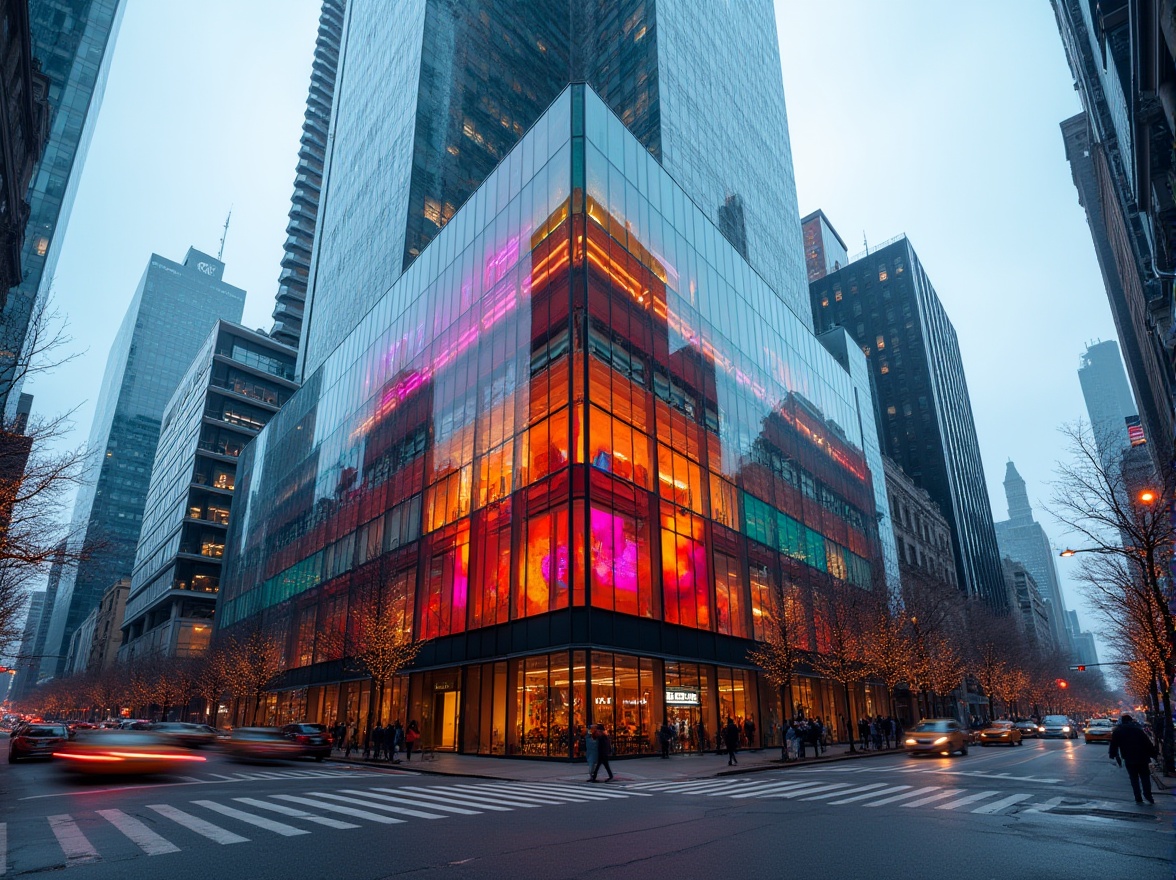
(936, 736)
(1058, 725)
(1003, 733)
(123, 752)
(311, 739)
(190, 736)
(36, 741)
(1028, 728)
(260, 744)
(1099, 731)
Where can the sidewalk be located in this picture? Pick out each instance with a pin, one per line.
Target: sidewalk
(644, 769)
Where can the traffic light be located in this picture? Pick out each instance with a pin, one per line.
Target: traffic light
(1081, 667)
(1062, 683)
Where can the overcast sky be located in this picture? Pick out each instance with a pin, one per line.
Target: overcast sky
(935, 119)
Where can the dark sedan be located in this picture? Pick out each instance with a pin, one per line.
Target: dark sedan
(37, 741)
(311, 739)
(1027, 728)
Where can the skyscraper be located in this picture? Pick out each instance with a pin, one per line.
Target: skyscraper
(437, 93)
(1023, 540)
(582, 447)
(308, 178)
(887, 304)
(27, 663)
(171, 314)
(72, 40)
(1108, 399)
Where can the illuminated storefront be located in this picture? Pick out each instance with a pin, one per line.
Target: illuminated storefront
(579, 446)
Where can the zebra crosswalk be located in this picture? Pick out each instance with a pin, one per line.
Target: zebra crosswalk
(160, 829)
(837, 789)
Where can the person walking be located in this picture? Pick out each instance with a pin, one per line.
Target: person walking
(749, 731)
(411, 736)
(603, 751)
(789, 741)
(352, 740)
(731, 740)
(395, 741)
(1131, 747)
(591, 748)
(700, 735)
(378, 741)
(666, 738)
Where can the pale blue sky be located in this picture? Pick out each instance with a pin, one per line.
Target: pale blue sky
(919, 116)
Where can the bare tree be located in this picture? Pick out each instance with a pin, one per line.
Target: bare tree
(779, 653)
(840, 624)
(252, 661)
(213, 679)
(1126, 515)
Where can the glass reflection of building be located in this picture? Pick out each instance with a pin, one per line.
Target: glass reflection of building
(579, 446)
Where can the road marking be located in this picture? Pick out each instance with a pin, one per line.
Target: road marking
(902, 797)
(193, 823)
(369, 805)
(996, 806)
(1046, 806)
(335, 808)
(862, 797)
(138, 833)
(839, 792)
(801, 792)
(466, 801)
(74, 844)
(293, 813)
(964, 801)
(520, 801)
(951, 792)
(580, 790)
(756, 791)
(582, 795)
(249, 819)
(3, 848)
(412, 803)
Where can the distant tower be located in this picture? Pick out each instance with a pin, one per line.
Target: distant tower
(1108, 398)
(1016, 494)
(308, 178)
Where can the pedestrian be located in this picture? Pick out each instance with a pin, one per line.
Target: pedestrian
(591, 748)
(1131, 747)
(789, 741)
(700, 734)
(876, 726)
(731, 740)
(666, 738)
(410, 739)
(338, 732)
(864, 732)
(352, 740)
(603, 751)
(749, 731)
(800, 729)
(378, 741)
(822, 730)
(396, 741)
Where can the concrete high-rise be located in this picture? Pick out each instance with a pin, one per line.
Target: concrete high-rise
(170, 316)
(432, 95)
(1023, 540)
(308, 178)
(1108, 399)
(27, 663)
(885, 301)
(72, 40)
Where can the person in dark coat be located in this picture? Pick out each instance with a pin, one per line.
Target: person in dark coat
(378, 741)
(731, 740)
(666, 737)
(1131, 747)
(603, 751)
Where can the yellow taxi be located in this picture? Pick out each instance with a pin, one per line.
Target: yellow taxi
(1098, 730)
(941, 736)
(1002, 733)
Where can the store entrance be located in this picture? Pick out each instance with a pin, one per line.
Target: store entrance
(687, 724)
(445, 720)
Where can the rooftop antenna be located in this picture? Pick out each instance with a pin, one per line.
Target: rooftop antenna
(865, 243)
(224, 235)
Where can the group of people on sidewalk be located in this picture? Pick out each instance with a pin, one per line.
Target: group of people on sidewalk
(879, 733)
(381, 743)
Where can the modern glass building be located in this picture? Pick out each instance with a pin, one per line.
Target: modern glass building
(170, 316)
(885, 301)
(436, 93)
(1109, 402)
(233, 387)
(72, 40)
(579, 447)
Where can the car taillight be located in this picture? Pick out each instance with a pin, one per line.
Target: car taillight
(302, 738)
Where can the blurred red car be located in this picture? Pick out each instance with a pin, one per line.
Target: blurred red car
(121, 752)
(36, 741)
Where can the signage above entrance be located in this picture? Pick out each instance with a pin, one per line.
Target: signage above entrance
(683, 696)
(443, 685)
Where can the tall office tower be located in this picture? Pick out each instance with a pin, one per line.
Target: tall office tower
(1120, 155)
(44, 666)
(579, 446)
(1032, 610)
(26, 660)
(436, 93)
(235, 384)
(1023, 540)
(72, 40)
(887, 304)
(308, 178)
(170, 316)
(1085, 650)
(1108, 399)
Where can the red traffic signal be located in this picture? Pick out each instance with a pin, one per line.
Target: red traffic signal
(1062, 683)
(1081, 667)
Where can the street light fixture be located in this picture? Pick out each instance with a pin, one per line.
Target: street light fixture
(1067, 553)
(1147, 496)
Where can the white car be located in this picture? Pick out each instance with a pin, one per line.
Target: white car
(1057, 725)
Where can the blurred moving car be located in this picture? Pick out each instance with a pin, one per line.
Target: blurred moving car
(936, 736)
(190, 736)
(260, 744)
(123, 752)
(311, 739)
(1028, 728)
(1000, 733)
(36, 741)
(1058, 725)
(1099, 730)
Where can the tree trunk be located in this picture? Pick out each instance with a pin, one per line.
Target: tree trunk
(1169, 755)
(850, 713)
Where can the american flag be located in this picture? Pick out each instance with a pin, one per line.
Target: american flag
(1135, 431)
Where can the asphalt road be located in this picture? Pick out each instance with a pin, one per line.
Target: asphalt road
(1054, 809)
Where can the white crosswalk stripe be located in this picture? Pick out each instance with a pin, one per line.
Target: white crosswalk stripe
(195, 823)
(138, 833)
(250, 819)
(842, 792)
(374, 795)
(367, 804)
(295, 814)
(336, 808)
(997, 806)
(3, 848)
(74, 845)
(951, 792)
(902, 797)
(964, 801)
(430, 794)
(862, 797)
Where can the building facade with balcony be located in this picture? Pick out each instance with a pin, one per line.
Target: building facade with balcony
(922, 535)
(583, 449)
(1033, 612)
(167, 322)
(235, 384)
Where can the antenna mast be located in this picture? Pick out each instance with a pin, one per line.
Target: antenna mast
(220, 254)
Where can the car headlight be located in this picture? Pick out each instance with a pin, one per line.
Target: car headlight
(912, 742)
(1041, 729)
(1065, 728)
(940, 741)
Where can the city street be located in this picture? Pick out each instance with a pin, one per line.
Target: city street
(1049, 809)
